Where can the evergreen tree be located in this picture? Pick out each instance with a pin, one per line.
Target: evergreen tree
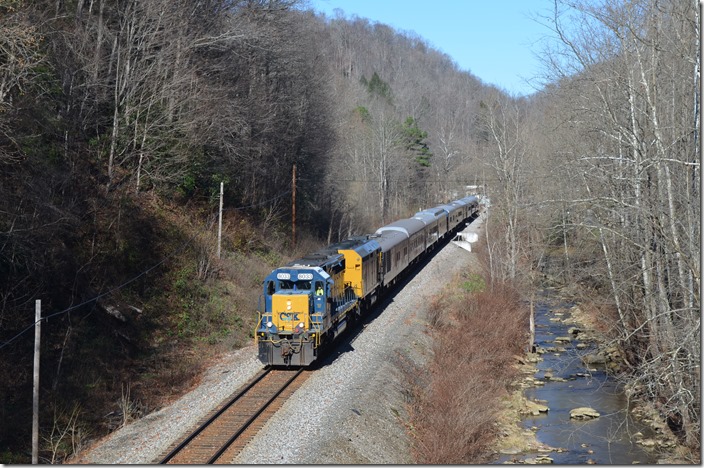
(377, 87)
(415, 142)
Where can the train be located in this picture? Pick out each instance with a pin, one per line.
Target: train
(309, 302)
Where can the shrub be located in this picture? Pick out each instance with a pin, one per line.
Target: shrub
(477, 334)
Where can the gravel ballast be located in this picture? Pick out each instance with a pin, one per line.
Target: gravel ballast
(350, 411)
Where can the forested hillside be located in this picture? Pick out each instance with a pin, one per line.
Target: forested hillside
(120, 119)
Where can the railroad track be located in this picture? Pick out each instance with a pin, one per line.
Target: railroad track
(227, 430)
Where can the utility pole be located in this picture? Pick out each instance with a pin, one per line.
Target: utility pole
(293, 208)
(35, 397)
(531, 324)
(222, 184)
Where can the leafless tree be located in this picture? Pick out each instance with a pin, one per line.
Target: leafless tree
(504, 122)
(20, 56)
(633, 72)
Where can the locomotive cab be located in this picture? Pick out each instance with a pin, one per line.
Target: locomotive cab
(292, 320)
(311, 301)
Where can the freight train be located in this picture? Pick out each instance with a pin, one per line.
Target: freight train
(308, 303)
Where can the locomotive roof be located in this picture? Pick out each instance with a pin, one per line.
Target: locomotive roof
(320, 259)
(330, 254)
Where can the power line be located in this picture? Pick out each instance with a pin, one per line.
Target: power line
(131, 280)
(99, 296)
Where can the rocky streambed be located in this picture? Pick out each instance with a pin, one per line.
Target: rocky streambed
(571, 409)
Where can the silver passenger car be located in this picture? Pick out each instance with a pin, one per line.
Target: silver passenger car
(472, 203)
(401, 243)
(431, 227)
(441, 216)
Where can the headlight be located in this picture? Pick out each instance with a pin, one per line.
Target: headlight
(300, 325)
(269, 324)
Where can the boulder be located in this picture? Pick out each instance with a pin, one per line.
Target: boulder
(115, 312)
(647, 442)
(533, 358)
(539, 460)
(584, 413)
(535, 409)
(591, 359)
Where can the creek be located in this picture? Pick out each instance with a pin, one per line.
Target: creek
(566, 383)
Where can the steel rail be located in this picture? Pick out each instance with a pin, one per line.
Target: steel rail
(253, 418)
(207, 423)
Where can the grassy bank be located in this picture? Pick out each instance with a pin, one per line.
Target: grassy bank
(479, 327)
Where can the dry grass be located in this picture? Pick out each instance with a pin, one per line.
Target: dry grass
(478, 332)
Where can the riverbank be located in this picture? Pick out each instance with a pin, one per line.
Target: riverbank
(535, 425)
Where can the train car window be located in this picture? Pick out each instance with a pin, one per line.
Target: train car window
(270, 288)
(285, 284)
(303, 285)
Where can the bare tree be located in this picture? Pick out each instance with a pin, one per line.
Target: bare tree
(20, 56)
(634, 72)
(504, 123)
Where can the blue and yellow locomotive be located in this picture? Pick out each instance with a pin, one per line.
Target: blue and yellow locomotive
(310, 301)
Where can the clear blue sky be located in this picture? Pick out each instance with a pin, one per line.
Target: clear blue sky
(495, 40)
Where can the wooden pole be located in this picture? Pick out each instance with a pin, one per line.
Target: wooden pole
(531, 345)
(35, 397)
(222, 185)
(293, 208)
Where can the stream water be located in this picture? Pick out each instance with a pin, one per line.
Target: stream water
(608, 439)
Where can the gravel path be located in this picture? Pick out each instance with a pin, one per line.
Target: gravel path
(351, 411)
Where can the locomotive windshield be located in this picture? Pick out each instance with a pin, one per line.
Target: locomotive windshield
(293, 285)
(288, 285)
